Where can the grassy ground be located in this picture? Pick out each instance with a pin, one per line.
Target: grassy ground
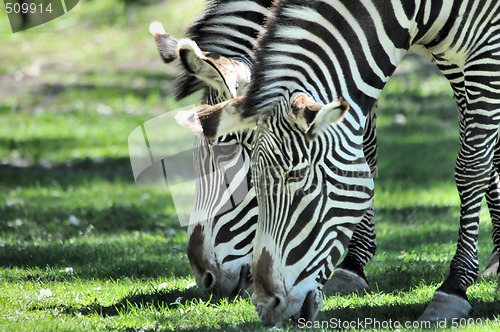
(83, 248)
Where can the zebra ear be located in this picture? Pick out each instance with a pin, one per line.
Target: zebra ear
(221, 73)
(317, 117)
(215, 121)
(166, 44)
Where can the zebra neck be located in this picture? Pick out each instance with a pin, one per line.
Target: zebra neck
(332, 48)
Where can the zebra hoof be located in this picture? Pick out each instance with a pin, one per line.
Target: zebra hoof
(345, 282)
(445, 307)
(492, 267)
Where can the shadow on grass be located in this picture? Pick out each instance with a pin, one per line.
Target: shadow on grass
(49, 219)
(65, 174)
(34, 147)
(416, 165)
(100, 258)
(107, 90)
(161, 82)
(157, 299)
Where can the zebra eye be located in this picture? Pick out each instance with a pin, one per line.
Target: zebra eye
(296, 175)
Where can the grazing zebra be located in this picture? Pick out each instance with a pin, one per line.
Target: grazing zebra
(223, 221)
(221, 258)
(219, 270)
(319, 69)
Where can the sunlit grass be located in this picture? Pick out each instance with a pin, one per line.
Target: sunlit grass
(83, 248)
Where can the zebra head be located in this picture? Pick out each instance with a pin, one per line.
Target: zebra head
(312, 185)
(224, 215)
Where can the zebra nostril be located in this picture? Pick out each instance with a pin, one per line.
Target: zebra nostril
(276, 302)
(208, 281)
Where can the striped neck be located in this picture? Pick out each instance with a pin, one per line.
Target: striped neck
(328, 49)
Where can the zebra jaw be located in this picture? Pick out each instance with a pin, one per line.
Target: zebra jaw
(315, 117)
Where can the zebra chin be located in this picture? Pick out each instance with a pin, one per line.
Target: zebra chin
(225, 283)
(278, 296)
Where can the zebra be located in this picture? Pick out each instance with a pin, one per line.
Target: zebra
(217, 59)
(216, 267)
(319, 69)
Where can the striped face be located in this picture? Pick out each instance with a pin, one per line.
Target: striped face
(311, 194)
(224, 216)
(312, 185)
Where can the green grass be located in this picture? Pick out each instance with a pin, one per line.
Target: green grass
(82, 248)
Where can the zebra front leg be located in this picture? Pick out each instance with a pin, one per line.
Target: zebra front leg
(349, 276)
(454, 74)
(450, 300)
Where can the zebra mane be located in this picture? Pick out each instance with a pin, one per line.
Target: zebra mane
(259, 97)
(208, 33)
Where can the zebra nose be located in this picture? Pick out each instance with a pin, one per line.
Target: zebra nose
(276, 302)
(208, 281)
